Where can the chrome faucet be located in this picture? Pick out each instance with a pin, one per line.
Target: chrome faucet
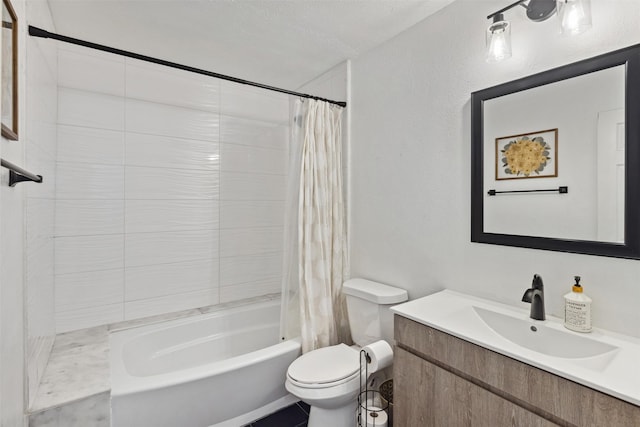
(535, 296)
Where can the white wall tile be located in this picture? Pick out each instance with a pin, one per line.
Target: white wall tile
(244, 214)
(156, 83)
(244, 158)
(89, 217)
(41, 79)
(42, 90)
(39, 349)
(249, 268)
(139, 185)
(89, 181)
(39, 261)
(40, 288)
(92, 52)
(240, 291)
(90, 109)
(249, 241)
(237, 130)
(39, 219)
(90, 145)
(167, 279)
(171, 215)
(167, 247)
(90, 72)
(39, 254)
(170, 303)
(250, 186)
(88, 317)
(88, 253)
(171, 152)
(41, 98)
(39, 111)
(245, 101)
(43, 135)
(162, 183)
(167, 120)
(89, 289)
(39, 271)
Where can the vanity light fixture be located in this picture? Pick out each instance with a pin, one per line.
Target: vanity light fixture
(498, 39)
(574, 16)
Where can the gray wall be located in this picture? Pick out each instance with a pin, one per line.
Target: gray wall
(410, 161)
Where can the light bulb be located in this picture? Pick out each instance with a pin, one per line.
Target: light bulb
(498, 39)
(574, 16)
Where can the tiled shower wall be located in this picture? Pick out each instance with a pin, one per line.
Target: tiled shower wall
(39, 144)
(170, 190)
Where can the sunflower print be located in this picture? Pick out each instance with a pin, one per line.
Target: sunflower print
(525, 156)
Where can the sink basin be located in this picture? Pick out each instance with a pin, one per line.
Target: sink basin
(602, 360)
(538, 337)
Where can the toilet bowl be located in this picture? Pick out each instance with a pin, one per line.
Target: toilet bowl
(328, 379)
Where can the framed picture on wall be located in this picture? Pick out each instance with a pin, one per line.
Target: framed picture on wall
(9, 72)
(527, 155)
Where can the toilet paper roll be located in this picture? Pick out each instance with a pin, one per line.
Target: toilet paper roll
(376, 417)
(381, 355)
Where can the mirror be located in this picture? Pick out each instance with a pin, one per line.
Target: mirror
(556, 158)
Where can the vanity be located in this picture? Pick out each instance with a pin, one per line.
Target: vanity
(465, 361)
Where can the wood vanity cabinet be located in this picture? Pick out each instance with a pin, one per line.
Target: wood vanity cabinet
(444, 381)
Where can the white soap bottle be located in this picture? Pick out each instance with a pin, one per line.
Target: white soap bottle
(577, 309)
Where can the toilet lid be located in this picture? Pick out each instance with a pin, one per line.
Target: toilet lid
(325, 365)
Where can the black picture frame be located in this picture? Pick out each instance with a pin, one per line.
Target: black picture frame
(630, 248)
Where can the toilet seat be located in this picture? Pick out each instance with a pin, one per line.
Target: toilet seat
(325, 367)
(353, 377)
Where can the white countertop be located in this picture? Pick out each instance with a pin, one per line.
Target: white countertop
(617, 373)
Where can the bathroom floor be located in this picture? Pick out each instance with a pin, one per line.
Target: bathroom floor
(295, 415)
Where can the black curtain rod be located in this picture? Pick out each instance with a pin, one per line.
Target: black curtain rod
(39, 32)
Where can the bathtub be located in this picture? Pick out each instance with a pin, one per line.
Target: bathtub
(224, 369)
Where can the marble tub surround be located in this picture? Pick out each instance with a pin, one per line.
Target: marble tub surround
(76, 381)
(91, 411)
(128, 324)
(78, 367)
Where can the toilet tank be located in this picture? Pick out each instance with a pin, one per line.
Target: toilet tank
(368, 305)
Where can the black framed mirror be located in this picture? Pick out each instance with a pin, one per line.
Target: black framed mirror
(576, 130)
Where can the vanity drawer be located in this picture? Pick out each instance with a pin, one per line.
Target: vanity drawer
(428, 396)
(554, 398)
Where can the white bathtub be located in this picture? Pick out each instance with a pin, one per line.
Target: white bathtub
(225, 368)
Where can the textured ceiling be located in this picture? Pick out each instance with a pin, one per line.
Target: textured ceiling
(275, 42)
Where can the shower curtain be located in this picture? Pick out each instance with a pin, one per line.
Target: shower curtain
(315, 235)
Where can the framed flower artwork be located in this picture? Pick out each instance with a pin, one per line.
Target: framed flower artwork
(527, 155)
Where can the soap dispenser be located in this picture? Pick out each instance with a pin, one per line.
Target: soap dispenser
(577, 309)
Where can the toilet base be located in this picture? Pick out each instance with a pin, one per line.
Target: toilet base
(344, 416)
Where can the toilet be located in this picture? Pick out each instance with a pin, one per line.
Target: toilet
(328, 379)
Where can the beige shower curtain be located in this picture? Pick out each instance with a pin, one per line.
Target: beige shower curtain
(321, 228)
